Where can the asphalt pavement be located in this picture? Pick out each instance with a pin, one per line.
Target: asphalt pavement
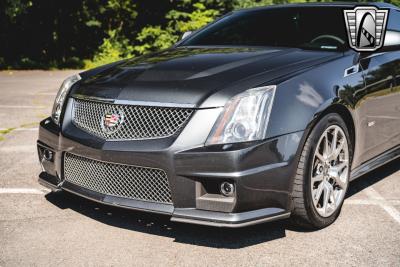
(38, 228)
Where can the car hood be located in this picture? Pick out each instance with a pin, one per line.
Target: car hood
(190, 76)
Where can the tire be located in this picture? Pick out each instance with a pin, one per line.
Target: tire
(306, 213)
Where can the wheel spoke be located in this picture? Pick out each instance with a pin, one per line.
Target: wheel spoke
(340, 167)
(336, 172)
(341, 181)
(333, 198)
(326, 199)
(337, 151)
(318, 193)
(317, 178)
(335, 139)
(320, 157)
(326, 146)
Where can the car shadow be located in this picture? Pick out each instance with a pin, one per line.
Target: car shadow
(373, 177)
(196, 234)
(161, 225)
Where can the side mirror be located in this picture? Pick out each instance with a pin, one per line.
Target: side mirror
(186, 34)
(392, 41)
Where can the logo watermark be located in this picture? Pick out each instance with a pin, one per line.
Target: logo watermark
(366, 27)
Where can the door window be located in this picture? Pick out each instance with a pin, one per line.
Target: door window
(394, 21)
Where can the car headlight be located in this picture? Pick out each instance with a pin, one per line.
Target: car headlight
(61, 96)
(244, 118)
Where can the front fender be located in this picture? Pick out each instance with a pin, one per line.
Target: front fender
(300, 100)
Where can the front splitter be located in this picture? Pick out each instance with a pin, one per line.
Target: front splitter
(184, 215)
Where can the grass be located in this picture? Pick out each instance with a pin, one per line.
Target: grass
(4, 132)
(27, 125)
(9, 130)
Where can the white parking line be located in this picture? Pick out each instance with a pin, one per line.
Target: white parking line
(31, 191)
(392, 211)
(21, 129)
(370, 202)
(18, 106)
(44, 93)
(374, 195)
(22, 148)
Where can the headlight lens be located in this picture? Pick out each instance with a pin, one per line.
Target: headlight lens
(61, 96)
(244, 118)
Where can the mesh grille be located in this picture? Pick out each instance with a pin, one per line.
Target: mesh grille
(136, 122)
(139, 183)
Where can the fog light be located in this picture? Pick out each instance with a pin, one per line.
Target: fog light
(48, 155)
(227, 189)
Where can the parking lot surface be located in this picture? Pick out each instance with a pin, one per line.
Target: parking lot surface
(41, 228)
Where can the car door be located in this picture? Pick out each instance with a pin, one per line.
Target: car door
(381, 98)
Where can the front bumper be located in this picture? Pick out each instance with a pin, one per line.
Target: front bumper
(262, 172)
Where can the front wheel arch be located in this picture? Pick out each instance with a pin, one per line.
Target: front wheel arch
(344, 113)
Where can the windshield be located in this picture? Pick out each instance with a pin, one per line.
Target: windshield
(306, 27)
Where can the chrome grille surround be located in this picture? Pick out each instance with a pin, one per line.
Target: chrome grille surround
(139, 123)
(120, 180)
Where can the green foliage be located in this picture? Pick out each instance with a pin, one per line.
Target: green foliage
(14, 8)
(251, 3)
(88, 33)
(181, 22)
(110, 50)
(153, 38)
(395, 2)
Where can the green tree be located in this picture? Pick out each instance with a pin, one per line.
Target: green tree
(154, 38)
(60, 34)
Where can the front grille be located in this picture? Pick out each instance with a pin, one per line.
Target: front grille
(136, 122)
(139, 183)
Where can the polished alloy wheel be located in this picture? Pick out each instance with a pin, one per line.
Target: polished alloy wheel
(330, 171)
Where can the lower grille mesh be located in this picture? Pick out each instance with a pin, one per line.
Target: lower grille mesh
(139, 183)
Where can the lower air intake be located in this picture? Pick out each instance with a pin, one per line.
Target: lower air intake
(138, 183)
